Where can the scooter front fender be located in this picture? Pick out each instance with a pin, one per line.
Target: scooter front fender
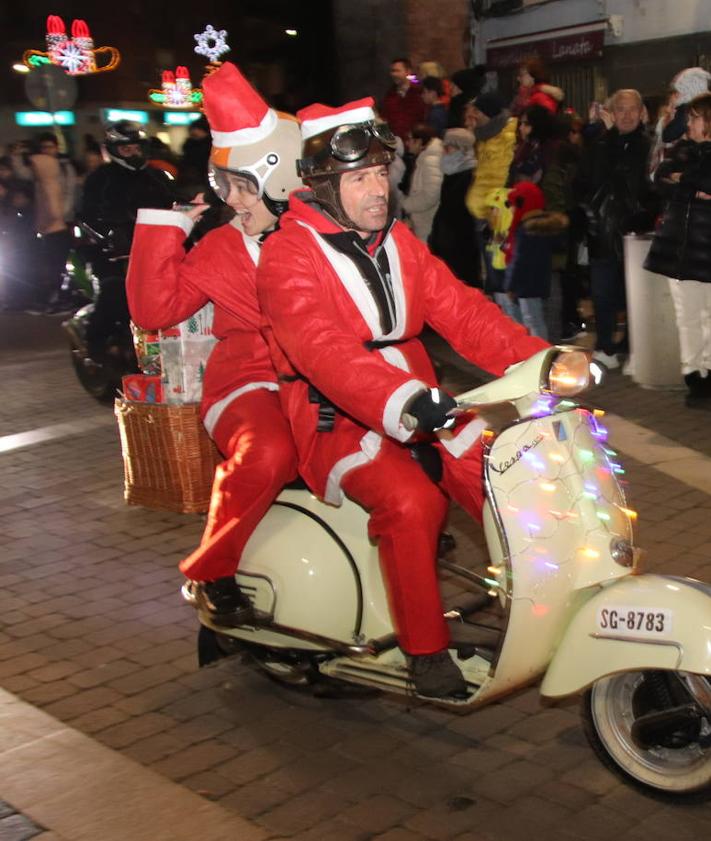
(633, 623)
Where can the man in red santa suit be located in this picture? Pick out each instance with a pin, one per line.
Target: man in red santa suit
(253, 169)
(346, 291)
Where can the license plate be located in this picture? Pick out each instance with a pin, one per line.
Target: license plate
(650, 622)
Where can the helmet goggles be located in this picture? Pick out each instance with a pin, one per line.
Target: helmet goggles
(349, 144)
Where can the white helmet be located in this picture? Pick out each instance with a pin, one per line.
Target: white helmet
(249, 138)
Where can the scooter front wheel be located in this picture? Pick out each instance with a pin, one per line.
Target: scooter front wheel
(650, 728)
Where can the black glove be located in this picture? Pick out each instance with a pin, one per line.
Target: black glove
(430, 409)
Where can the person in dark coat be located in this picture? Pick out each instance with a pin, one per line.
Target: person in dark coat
(536, 147)
(681, 248)
(113, 195)
(467, 84)
(618, 197)
(453, 235)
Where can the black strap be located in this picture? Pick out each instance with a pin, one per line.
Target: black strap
(376, 344)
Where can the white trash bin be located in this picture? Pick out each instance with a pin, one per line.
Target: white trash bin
(654, 360)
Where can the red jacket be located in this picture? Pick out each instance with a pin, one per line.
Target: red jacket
(165, 286)
(320, 314)
(401, 113)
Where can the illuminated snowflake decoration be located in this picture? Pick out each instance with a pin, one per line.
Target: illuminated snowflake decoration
(72, 57)
(211, 43)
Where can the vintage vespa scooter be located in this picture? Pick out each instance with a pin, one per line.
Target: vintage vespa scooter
(578, 614)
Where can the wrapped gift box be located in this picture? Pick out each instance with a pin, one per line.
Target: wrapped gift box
(142, 388)
(184, 351)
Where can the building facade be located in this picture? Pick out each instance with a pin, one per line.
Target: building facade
(593, 47)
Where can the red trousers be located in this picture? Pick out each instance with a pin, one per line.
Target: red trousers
(407, 513)
(254, 435)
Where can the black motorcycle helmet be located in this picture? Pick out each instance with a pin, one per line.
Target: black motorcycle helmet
(126, 133)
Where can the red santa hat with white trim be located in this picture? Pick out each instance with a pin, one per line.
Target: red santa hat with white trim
(318, 118)
(248, 136)
(320, 123)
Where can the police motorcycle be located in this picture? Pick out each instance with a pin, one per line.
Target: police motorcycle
(99, 366)
(563, 603)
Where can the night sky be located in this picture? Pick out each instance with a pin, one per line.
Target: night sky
(154, 35)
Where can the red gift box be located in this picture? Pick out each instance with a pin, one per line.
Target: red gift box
(142, 388)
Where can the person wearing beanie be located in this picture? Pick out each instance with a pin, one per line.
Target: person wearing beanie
(495, 133)
(466, 85)
(453, 235)
(252, 169)
(346, 291)
(685, 86)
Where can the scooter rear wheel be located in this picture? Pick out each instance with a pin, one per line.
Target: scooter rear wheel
(657, 739)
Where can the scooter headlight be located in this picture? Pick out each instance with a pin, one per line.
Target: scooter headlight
(569, 373)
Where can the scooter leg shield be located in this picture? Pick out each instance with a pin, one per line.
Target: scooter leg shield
(637, 622)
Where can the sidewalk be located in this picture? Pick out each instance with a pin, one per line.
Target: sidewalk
(108, 730)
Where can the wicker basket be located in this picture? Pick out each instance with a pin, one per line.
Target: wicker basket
(168, 458)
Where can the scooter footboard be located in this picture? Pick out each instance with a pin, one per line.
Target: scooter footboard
(633, 623)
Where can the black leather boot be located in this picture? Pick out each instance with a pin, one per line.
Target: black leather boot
(224, 601)
(437, 676)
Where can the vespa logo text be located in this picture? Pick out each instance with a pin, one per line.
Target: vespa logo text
(509, 463)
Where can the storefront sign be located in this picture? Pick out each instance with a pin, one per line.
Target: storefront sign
(44, 118)
(575, 43)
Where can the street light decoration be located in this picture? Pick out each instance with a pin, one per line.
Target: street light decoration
(76, 55)
(211, 43)
(176, 91)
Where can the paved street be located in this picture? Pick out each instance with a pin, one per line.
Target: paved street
(93, 633)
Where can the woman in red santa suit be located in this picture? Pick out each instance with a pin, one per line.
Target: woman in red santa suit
(252, 169)
(346, 292)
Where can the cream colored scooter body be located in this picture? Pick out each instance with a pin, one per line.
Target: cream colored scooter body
(553, 516)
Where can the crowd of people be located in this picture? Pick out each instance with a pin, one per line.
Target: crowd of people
(531, 201)
(44, 192)
(352, 229)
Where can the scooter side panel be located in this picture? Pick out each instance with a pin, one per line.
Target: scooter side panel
(639, 622)
(315, 584)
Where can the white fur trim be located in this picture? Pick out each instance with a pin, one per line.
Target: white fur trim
(462, 441)
(246, 136)
(395, 357)
(213, 413)
(369, 449)
(354, 284)
(150, 216)
(398, 289)
(352, 280)
(394, 408)
(344, 118)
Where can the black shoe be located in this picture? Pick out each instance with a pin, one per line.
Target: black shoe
(571, 331)
(698, 395)
(437, 676)
(223, 600)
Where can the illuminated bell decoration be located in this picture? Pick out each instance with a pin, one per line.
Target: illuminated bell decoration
(176, 90)
(77, 55)
(211, 43)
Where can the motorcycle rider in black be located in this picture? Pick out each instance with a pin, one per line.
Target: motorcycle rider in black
(112, 197)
